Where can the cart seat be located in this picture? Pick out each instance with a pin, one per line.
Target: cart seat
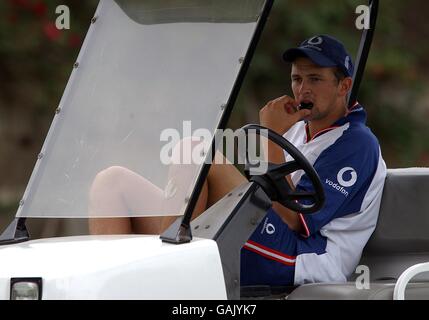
(400, 240)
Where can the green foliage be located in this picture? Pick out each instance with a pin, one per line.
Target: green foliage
(28, 34)
(394, 79)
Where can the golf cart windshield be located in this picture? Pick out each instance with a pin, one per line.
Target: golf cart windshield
(149, 74)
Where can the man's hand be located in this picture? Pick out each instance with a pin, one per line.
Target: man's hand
(281, 114)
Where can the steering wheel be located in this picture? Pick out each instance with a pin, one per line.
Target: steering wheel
(274, 181)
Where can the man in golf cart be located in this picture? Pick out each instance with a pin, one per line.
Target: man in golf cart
(287, 247)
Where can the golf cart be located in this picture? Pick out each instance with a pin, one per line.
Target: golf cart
(147, 66)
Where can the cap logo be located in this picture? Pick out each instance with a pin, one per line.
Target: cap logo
(315, 41)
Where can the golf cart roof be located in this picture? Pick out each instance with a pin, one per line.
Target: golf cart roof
(149, 74)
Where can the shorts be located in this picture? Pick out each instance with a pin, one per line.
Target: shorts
(268, 257)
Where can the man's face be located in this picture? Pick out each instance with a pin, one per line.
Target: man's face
(311, 83)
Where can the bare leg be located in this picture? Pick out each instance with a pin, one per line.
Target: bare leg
(200, 207)
(223, 177)
(119, 191)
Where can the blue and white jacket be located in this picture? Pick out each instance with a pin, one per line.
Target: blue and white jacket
(348, 159)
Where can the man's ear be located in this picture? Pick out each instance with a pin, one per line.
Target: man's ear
(345, 86)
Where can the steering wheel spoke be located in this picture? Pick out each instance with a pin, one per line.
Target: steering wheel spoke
(299, 196)
(284, 169)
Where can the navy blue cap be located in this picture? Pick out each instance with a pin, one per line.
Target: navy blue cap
(324, 51)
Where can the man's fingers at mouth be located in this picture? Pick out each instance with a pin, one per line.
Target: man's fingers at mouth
(289, 109)
(287, 99)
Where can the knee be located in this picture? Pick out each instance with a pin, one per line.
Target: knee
(110, 177)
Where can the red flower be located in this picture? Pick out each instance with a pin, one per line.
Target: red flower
(21, 3)
(51, 31)
(39, 9)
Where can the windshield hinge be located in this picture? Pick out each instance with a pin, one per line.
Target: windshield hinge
(15, 232)
(179, 232)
